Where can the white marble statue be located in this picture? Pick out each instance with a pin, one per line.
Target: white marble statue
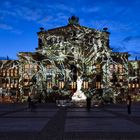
(79, 95)
(79, 83)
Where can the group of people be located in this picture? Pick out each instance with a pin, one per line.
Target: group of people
(88, 103)
(128, 102)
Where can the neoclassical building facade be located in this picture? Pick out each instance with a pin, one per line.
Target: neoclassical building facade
(63, 54)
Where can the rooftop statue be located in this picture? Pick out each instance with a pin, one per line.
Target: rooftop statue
(73, 20)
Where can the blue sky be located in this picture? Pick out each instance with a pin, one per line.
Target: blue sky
(21, 20)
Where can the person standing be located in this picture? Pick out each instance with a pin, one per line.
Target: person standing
(29, 100)
(129, 104)
(88, 103)
(40, 99)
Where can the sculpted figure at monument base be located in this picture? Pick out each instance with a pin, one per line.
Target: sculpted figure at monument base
(79, 97)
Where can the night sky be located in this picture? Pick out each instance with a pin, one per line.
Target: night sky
(21, 20)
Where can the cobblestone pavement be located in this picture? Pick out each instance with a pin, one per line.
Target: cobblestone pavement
(49, 122)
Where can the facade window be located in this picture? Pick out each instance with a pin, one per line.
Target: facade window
(16, 83)
(4, 72)
(120, 68)
(27, 67)
(16, 72)
(49, 85)
(8, 72)
(85, 85)
(12, 85)
(98, 85)
(73, 85)
(116, 67)
(12, 72)
(8, 85)
(133, 85)
(61, 84)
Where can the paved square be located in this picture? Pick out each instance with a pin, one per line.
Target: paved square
(49, 122)
(100, 125)
(22, 124)
(89, 114)
(33, 114)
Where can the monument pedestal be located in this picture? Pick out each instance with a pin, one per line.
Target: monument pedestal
(79, 104)
(79, 99)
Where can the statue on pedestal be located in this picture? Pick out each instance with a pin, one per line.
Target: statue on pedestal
(79, 95)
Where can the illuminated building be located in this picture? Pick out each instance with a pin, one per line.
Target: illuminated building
(9, 78)
(134, 79)
(67, 52)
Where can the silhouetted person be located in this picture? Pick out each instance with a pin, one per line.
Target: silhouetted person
(88, 103)
(40, 99)
(2, 96)
(30, 103)
(129, 104)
